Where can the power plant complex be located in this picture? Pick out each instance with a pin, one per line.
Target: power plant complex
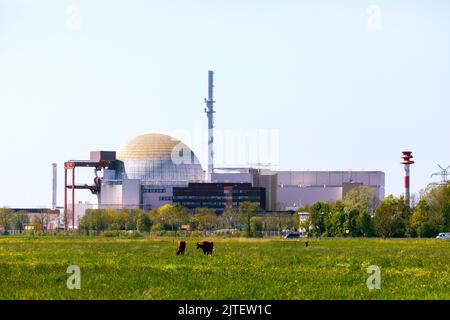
(156, 169)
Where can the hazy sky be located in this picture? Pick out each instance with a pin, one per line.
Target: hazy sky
(346, 85)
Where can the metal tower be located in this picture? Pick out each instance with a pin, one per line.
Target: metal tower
(443, 173)
(55, 185)
(406, 160)
(209, 110)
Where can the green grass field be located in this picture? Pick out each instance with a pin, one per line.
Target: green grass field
(114, 268)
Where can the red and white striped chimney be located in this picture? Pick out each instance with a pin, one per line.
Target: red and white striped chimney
(406, 160)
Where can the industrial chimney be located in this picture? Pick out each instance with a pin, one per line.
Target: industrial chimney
(55, 185)
(209, 110)
(406, 160)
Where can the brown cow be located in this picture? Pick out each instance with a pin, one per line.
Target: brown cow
(206, 246)
(181, 247)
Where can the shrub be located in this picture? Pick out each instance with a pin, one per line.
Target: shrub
(135, 235)
(110, 234)
(157, 227)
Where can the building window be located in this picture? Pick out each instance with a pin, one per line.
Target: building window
(153, 190)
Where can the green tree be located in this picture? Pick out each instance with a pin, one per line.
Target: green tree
(334, 222)
(361, 198)
(317, 216)
(438, 203)
(271, 223)
(18, 220)
(359, 203)
(257, 226)
(364, 225)
(143, 220)
(172, 217)
(229, 217)
(392, 218)
(444, 206)
(84, 223)
(280, 221)
(5, 219)
(156, 223)
(118, 219)
(205, 218)
(350, 225)
(247, 210)
(286, 221)
(98, 220)
(424, 221)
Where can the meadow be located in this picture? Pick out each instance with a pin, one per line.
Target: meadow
(147, 268)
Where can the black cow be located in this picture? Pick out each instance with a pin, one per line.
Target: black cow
(206, 246)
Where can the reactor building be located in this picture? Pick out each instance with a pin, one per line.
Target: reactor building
(156, 169)
(146, 171)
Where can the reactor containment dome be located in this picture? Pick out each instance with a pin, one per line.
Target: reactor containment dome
(160, 159)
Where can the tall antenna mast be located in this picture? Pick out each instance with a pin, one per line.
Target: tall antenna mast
(443, 173)
(209, 110)
(55, 185)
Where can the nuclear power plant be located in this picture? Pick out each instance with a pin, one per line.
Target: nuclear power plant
(155, 169)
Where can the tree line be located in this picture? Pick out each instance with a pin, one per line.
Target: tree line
(358, 215)
(174, 218)
(17, 220)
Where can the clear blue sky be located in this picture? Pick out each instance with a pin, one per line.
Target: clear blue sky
(342, 95)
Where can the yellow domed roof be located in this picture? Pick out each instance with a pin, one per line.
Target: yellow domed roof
(147, 146)
(160, 158)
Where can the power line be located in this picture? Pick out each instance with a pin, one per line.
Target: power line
(443, 173)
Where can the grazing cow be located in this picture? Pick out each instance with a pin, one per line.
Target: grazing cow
(181, 247)
(206, 246)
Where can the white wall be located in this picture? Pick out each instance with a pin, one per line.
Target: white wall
(80, 210)
(308, 187)
(131, 193)
(232, 177)
(332, 178)
(151, 200)
(294, 196)
(110, 196)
